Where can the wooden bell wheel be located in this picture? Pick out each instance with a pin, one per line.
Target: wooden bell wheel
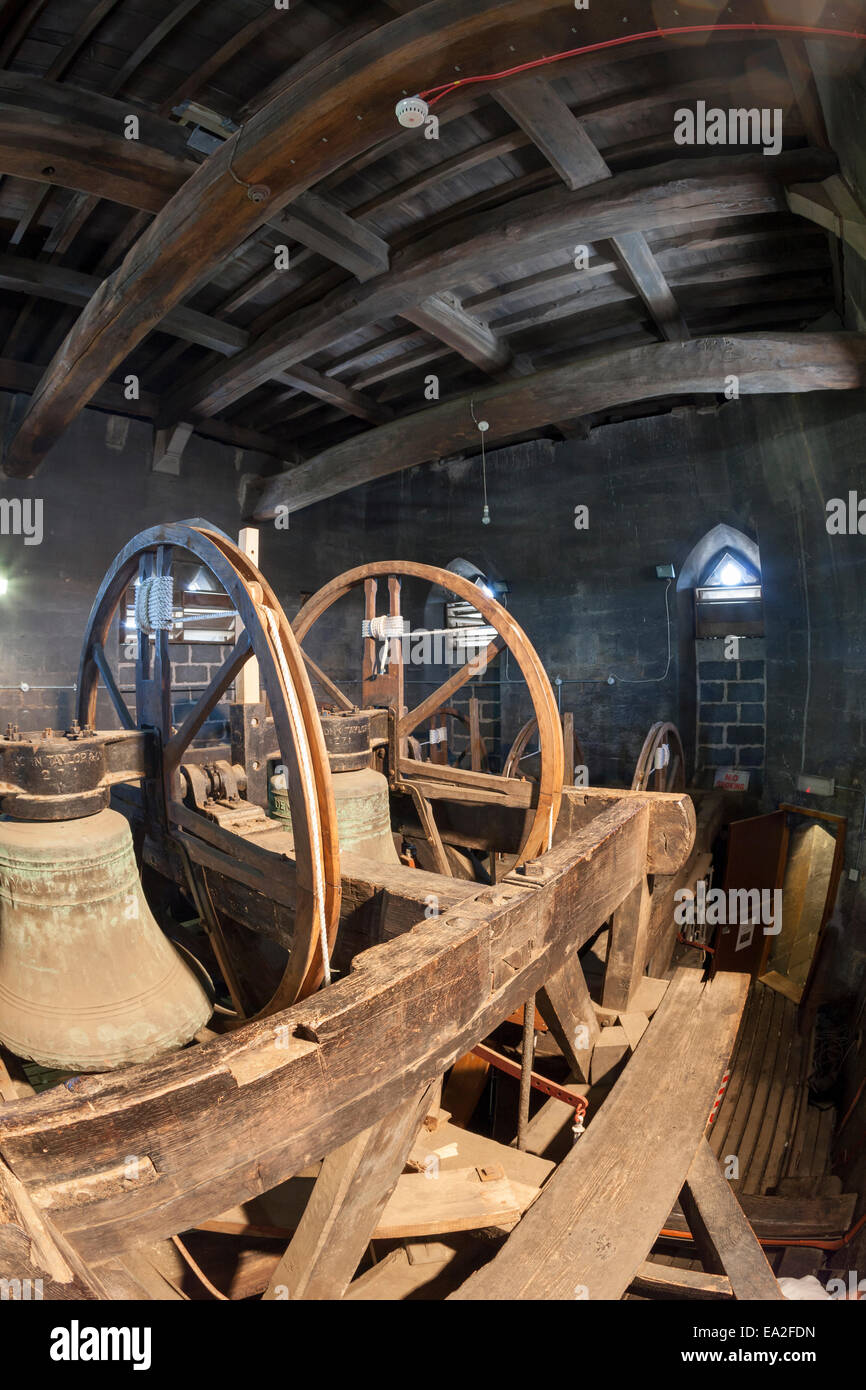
(661, 766)
(449, 712)
(388, 688)
(264, 633)
(518, 751)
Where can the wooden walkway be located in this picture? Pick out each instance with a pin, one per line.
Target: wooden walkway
(765, 1121)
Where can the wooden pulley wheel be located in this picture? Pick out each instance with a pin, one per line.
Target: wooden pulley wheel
(265, 634)
(661, 766)
(517, 751)
(541, 816)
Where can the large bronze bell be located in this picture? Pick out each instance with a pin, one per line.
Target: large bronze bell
(88, 982)
(360, 792)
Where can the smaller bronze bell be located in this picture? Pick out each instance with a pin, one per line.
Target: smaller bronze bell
(88, 982)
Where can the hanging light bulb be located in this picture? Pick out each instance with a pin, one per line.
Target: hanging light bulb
(484, 426)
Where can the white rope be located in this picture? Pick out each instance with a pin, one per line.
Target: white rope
(154, 603)
(387, 625)
(382, 629)
(302, 748)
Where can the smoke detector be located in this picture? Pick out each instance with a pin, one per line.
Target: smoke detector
(412, 111)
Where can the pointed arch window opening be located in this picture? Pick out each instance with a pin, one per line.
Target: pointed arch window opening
(729, 571)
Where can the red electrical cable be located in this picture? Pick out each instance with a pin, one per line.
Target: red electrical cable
(813, 31)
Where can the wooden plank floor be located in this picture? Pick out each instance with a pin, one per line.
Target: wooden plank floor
(765, 1120)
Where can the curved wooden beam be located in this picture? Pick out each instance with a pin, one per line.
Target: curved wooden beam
(203, 1121)
(679, 193)
(309, 122)
(765, 362)
(314, 125)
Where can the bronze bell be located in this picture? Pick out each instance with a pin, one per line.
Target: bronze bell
(360, 792)
(88, 982)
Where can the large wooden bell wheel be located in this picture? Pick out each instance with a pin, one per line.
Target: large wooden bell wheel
(661, 766)
(541, 815)
(264, 633)
(520, 750)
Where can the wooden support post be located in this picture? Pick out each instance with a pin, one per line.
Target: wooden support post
(439, 739)
(527, 1058)
(629, 943)
(566, 1008)
(464, 1087)
(247, 683)
(568, 748)
(726, 1242)
(346, 1203)
(475, 744)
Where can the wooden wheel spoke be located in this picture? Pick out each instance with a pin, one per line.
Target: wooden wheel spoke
(441, 783)
(264, 635)
(333, 690)
(219, 683)
(120, 706)
(409, 722)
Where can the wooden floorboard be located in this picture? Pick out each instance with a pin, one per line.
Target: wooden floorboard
(600, 1213)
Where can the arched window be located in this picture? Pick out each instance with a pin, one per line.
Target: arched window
(723, 571)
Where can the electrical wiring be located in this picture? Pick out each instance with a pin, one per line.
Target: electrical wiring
(652, 680)
(432, 95)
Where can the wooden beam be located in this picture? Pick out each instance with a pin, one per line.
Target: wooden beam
(560, 137)
(833, 206)
(677, 194)
(240, 1115)
(726, 1242)
(328, 388)
(600, 1213)
(25, 377)
(533, 104)
(319, 224)
(655, 1280)
(443, 316)
(629, 948)
(68, 286)
(212, 214)
(649, 280)
(761, 362)
(566, 1008)
(349, 1196)
(223, 55)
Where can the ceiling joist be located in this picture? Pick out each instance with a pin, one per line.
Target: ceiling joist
(760, 363)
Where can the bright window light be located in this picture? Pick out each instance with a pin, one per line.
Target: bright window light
(4, 585)
(728, 572)
(731, 574)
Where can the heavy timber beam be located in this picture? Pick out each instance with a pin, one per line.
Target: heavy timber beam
(24, 377)
(543, 115)
(443, 317)
(409, 1008)
(54, 135)
(309, 121)
(681, 193)
(330, 114)
(767, 362)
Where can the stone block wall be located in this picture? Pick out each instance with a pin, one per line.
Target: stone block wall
(732, 718)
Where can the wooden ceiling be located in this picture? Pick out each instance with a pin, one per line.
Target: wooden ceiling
(407, 256)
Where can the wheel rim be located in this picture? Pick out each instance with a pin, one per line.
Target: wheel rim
(538, 833)
(293, 708)
(671, 777)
